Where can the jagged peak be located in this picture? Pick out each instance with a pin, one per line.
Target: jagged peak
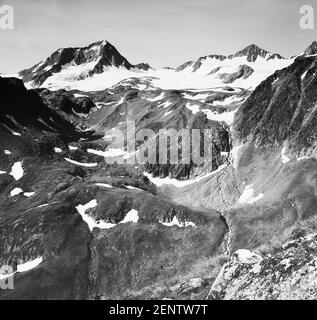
(253, 51)
(311, 49)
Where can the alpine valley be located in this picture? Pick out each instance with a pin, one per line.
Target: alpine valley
(240, 224)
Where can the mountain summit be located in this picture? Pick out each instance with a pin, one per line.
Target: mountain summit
(312, 49)
(252, 52)
(83, 62)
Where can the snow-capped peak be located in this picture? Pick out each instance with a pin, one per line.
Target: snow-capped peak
(83, 62)
(252, 52)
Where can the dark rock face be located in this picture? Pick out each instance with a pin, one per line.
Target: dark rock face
(13, 116)
(282, 107)
(143, 66)
(198, 62)
(312, 49)
(183, 66)
(252, 52)
(243, 72)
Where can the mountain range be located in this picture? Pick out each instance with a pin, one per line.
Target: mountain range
(100, 65)
(240, 224)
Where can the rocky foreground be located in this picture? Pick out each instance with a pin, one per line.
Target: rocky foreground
(289, 273)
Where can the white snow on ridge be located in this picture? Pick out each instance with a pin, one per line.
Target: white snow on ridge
(15, 192)
(176, 222)
(159, 182)
(133, 188)
(224, 116)
(75, 77)
(58, 150)
(234, 154)
(165, 104)
(200, 96)
(229, 100)
(29, 265)
(103, 185)
(11, 131)
(28, 194)
(78, 95)
(131, 216)
(111, 152)
(304, 75)
(284, 157)
(193, 108)
(167, 113)
(17, 171)
(157, 98)
(2, 172)
(88, 165)
(7, 152)
(302, 158)
(26, 266)
(247, 196)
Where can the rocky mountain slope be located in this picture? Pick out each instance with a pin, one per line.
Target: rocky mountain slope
(74, 227)
(287, 274)
(80, 220)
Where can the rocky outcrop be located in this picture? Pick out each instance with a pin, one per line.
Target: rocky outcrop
(243, 72)
(312, 49)
(289, 273)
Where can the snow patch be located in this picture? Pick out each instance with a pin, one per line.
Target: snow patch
(176, 222)
(193, 108)
(131, 216)
(29, 265)
(88, 165)
(304, 75)
(103, 185)
(159, 182)
(111, 152)
(284, 157)
(133, 188)
(220, 117)
(248, 195)
(234, 155)
(165, 104)
(15, 192)
(78, 95)
(28, 194)
(157, 98)
(17, 171)
(247, 257)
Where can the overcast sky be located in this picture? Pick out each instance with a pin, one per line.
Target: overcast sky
(161, 32)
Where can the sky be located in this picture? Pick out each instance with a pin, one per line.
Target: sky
(160, 32)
